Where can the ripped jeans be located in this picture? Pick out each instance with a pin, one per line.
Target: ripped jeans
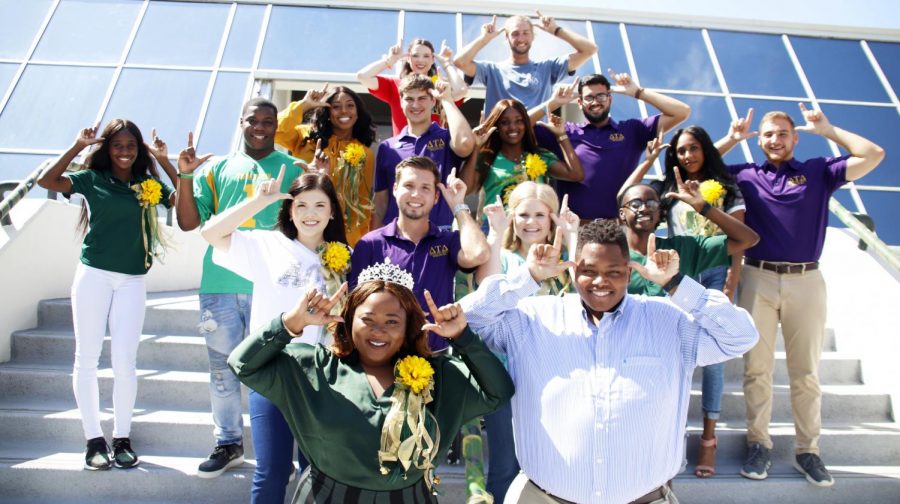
(224, 320)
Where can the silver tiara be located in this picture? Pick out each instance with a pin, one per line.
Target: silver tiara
(387, 272)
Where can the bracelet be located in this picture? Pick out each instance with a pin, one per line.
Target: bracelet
(556, 31)
(562, 138)
(673, 282)
(638, 93)
(387, 63)
(183, 175)
(461, 207)
(706, 208)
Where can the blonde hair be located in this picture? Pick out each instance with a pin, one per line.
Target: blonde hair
(525, 191)
(512, 21)
(776, 114)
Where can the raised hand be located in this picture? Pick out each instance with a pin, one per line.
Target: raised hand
(496, 217)
(157, 147)
(546, 23)
(449, 320)
(320, 163)
(543, 260)
(655, 147)
(313, 309)
(741, 128)
(187, 158)
(445, 56)
(442, 91)
(563, 94)
(816, 122)
(88, 136)
(554, 123)
(622, 83)
(454, 191)
(661, 265)
(490, 31)
(315, 98)
(688, 192)
(269, 190)
(568, 221)
(394, 54)
(482, 135)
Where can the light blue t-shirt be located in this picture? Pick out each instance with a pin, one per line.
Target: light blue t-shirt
(531, 83)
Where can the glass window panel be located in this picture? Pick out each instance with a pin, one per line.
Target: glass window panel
(880, 125)
(223, 113)
(828, 63)
(431, 26)
(610, 48)
(496, 50)
(808, 146)
(844, 197)
(756, 64)
(179, 33)
(50, 104)
(242, 39)
(711, 114)
(882, 206)
(19, 22)
(888, 57)
(7, 72)
(90, 31)
(168, 100)
(671, 58)
(19, 166)
(366, 34)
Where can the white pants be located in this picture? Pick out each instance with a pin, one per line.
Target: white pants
(99, 296)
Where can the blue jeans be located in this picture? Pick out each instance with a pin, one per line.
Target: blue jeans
(714, 374)
(273, 443)
(502, 463)
(223, 322)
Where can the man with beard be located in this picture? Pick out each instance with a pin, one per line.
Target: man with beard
(416, 244)
(609, 150)
(520, 78)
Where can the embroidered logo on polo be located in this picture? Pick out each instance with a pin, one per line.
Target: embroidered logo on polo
(616, 137)
(438, 251)
(436, 145)
(294, 277)
(797, 180)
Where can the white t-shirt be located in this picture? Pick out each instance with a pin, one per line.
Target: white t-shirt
(282, 271)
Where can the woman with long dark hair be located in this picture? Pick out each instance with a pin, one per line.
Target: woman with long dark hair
(121, 188)
(308, 250)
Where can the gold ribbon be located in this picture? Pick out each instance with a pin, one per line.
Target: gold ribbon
(418, 449)
(348, 179)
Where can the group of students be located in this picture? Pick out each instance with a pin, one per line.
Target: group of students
(343, 251)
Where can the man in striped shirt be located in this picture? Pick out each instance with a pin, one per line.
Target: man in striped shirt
(603, 378)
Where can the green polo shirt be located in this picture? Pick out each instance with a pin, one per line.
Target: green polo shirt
(336, 418)
(113, 241)
(696, 254)
(505, 172)
(226, 182)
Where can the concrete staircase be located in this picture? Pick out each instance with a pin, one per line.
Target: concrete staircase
(41, 444)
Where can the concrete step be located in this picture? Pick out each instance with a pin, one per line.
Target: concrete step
(175, 312)
(835, 368)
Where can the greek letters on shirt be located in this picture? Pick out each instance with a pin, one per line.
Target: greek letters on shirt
(436, 145)
(616, 137)
(438, 251)
(796, 180)
(294, 277)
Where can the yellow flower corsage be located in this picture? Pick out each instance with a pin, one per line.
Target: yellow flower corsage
(535, 167)
(354, 154)
(414, 372)
(435, 78)
(711, 191)
(149, 192)
(335, 256)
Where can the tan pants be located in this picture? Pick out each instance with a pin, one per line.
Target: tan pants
(799, 302)
(523, 491)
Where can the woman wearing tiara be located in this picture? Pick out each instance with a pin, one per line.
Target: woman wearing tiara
(374, 411)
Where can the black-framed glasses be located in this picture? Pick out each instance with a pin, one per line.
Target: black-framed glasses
(637, 203)
(599, 98)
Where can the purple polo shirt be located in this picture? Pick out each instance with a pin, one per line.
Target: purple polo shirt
(432, 263)
(434, 144)
(608, 155)
(788, 206)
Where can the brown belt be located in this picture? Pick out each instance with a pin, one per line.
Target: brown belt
(653, 495)
(782, 267)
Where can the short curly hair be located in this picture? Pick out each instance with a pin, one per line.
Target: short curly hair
(603, 232)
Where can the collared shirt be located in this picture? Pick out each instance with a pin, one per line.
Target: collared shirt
(608, 155)
(788, 206)
(530, 83)
(600, 410)
(432, 262)
(433, 144)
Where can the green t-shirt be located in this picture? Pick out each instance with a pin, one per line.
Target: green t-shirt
(505, 173)
(224, 183)
(696, 254)
(113, 241)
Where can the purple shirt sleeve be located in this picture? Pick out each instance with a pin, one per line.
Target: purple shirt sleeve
(359, 260)
(384, 174)
(836, 168)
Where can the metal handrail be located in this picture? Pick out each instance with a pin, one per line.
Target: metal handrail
(16, 195)
(878, 247)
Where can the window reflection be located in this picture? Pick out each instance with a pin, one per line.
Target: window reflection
(223, 113)
(430, 26)
(882, 206)
(888, 57)
(672, 58)
(828, 63)
(179, 33)
(878, 124)
(88, 31)
(242, 39)
(756, 64)
(19, 22)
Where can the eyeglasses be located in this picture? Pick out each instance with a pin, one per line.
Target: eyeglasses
(599, 97)
(637, 204)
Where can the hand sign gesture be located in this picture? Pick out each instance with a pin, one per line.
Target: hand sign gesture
(482, 135)
(394, 54)
(623, 83)
(688, 192)
(564, 94)
(816, 122)
(157, 147)
(88, 136)
(269, 191)
(655, 147)
(546, 23)
(661, 265)
(554, 123)
(187, 158)
(568, 221)
(445, 56)
(496, 216)
(543, 260)
(449, 320)
(313, 309)
(321, 162)
(454, 191)
(741, 128)
(441, 91)
(489, 30)
(315, 98)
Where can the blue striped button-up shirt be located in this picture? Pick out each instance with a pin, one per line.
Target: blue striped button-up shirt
(600, 410)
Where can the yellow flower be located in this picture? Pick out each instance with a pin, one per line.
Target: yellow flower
(506, 192)
(354, 154)
(711, 191)
(414, 372)
(149, 192)
(335, 256)
(435, 78)
(534, 166)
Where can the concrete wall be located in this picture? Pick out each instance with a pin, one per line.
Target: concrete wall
(39, 253)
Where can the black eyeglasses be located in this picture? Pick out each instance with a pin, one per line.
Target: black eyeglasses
(637, 204)
(599, 97)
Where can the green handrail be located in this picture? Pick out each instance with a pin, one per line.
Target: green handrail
(20, 191)
(878, 246)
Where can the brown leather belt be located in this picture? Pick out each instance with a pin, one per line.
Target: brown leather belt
(653, 495)
(782, 267)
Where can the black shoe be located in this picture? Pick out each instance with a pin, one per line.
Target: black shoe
(811, 466)
(222, 458)
(757, 464)
(96, 455)
(123, 456)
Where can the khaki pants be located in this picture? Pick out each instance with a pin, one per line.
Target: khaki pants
(799, 302)
(523, 491)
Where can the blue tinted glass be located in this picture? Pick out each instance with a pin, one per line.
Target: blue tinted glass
(297, 38)
(178, 33)
(610, 48)
(843, 196)
(19, 22)
(623, 107)
(671, 58)
(888, 56)
(808, 145)
(497, 49)
(244, 34)
(91, 31)
(433, 27)
(7, 72)
(756, 64)
(878, 124)
(168, 100)
(711, 114)
(19, 166)
(882, 206)
(223, 113)
(50, 104)
(828, 63)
